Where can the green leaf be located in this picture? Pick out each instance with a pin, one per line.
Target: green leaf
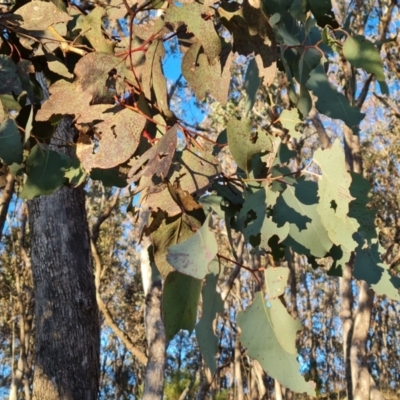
(109, 177)
(290, 119)
(330, 102)
(298, 10)
(251, 84)
(213, 202)
(359, 189)
(304, 103)
(9, 82)
(269, 333)
(298, 206)
(192, 256)
(10, 143)
(245, 145)
(212, 305)
(368, 266)
(362, 53)
(252, 214)
(45, 169)
(9, 102)
(75, 173)
(269, 229)
(322, 10)
(284, 154)
(335, 197)
(309, 60)
(180, 299)
(170, 232)
(93, 31)
(276, 280)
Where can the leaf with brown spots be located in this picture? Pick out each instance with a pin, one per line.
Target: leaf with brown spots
(119, 138)
(252, 34)
(204, 77)
(153, 166)
(65, 99)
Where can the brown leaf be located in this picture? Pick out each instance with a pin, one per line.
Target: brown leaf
(252, 34)
(65, 99)
(93, 75)
(39, 15)
(157, 217)
(158, 161)
(204, 30)
(119, 138)
(203, 77)
(195, 171)
(183, 197)
(153, 79)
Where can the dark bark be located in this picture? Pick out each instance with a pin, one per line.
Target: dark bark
(67, 342)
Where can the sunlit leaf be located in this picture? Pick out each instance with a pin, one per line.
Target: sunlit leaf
(245, 144)
(334, 196)
(298, 207)
(290, 120)
(39, 15)
(192, 256)
(119, 138)
(263, 339)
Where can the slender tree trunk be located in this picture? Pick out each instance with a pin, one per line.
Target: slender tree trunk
(238, 370)
(278, 391)
(262, 390)
(346, 315)
(155, 331)
(254, 395)
(67, 322)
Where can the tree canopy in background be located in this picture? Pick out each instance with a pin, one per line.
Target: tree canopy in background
(285, 163)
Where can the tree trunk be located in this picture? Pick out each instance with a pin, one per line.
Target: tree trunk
(278, 391)
(238, 370)
(67, 322)
(155, 331)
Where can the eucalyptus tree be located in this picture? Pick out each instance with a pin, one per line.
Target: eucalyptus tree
(111, 81)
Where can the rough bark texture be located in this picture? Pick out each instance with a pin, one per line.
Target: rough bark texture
(67, 321)
(238, 370)
(155, 331)
(346, 315)
(155, 334)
